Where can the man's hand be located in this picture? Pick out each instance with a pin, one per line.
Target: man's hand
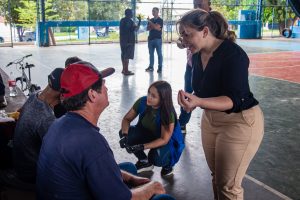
(135, 148)
(147, 190)
(124, 141)
(132, 180)
(136, 181)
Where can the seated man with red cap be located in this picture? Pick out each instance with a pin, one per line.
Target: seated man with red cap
(75, 160)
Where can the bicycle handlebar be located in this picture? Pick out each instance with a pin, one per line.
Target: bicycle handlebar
(9, 64)
(17, 61)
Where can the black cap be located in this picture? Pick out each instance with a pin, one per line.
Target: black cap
(54, 78)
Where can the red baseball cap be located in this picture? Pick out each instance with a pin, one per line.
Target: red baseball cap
(79, 76)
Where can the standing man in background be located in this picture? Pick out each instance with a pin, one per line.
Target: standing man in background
(127, 39)
(155, 26)
(202, 4)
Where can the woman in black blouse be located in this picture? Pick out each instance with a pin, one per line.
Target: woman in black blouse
(232, 124)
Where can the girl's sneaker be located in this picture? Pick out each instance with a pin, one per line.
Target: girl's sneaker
(166, 171)
(143, 166)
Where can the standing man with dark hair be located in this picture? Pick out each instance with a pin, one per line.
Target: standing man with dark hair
(76, 161)
(127, 39)
(155, 26)
(202, 4)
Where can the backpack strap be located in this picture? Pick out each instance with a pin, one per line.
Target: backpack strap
(142, 107)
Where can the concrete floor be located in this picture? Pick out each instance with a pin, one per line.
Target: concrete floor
(274, 172)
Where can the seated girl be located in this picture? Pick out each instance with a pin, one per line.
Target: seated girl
(157, 129)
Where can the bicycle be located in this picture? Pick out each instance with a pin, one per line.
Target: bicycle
(24, 81)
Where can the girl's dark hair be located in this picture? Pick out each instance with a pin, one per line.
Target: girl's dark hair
(214, 20)
(166, 103)
(78, 101)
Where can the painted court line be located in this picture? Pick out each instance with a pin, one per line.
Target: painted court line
(263, 76)
(268, 188)
(278, 67)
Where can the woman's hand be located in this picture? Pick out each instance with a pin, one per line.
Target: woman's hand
(187, 101)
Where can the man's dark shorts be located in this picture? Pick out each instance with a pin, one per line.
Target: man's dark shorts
(127, 51)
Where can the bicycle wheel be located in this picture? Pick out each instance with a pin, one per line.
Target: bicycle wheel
(22, 84)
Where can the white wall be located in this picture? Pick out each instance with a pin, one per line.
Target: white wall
(5, 32)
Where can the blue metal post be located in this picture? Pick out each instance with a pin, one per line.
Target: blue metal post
(89, 13)
(43, 10)
(44, 36)
(10, 24)
(259, 18)
(259, 9)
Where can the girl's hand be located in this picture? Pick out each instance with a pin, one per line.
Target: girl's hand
(187, 101)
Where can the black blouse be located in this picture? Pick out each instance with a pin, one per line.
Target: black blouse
(226, 74)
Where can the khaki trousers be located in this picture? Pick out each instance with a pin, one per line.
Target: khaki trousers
(230, 141)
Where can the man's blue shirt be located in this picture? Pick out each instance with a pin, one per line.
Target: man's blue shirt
(155, 34)
(76, 162)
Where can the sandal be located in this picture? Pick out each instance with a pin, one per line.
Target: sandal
(128, 73)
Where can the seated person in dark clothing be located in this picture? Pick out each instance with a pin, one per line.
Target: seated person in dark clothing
(35, 118)
(2, 93)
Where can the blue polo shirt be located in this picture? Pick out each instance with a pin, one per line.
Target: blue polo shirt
(76, 162)
(226, 74)
(155, 34)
